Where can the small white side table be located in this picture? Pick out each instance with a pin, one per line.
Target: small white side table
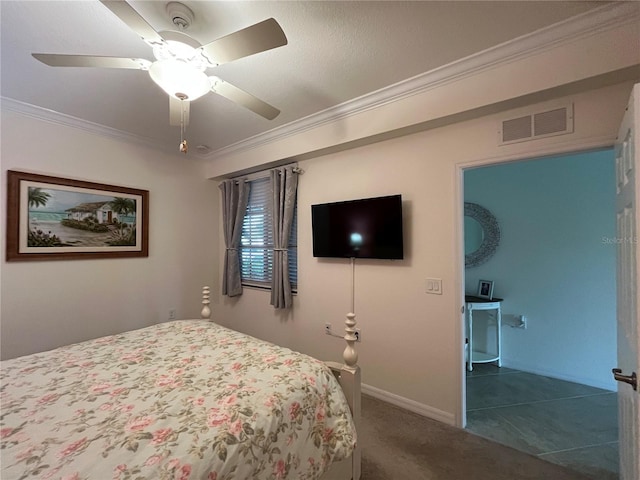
(478, 303)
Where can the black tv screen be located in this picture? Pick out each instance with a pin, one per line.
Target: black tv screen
(365, 228)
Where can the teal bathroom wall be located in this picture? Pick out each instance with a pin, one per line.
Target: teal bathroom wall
(555, 263)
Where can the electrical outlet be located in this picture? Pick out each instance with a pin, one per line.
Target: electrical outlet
(523, 322)
(327, 328)
(358, 335)
(172, 314)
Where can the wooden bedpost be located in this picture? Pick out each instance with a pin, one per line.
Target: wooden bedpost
(351, 386)
(348, 375)
(205, 313)
(350, 354)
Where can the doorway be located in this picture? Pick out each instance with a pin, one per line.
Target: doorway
(555, 270)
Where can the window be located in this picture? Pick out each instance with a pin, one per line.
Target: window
(256, 242)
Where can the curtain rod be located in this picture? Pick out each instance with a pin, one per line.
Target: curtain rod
(264, 173)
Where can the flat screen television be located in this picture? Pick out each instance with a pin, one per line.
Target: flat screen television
(365, 228)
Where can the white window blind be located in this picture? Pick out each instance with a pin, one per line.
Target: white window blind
(256, 243)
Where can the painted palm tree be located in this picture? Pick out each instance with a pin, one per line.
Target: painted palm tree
(38, 198)
(36, 237)
(123, 206)
(125, 234)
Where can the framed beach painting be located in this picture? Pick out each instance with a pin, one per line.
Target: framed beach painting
(52, 218)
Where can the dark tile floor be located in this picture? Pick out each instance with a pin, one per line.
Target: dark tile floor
(562, 422)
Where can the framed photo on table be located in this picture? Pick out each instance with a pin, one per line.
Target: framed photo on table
(485, 289)
(53, 218)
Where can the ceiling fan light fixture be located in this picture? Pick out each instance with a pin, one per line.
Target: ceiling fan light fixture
(177, 77)
(181, 50)
(172, 49)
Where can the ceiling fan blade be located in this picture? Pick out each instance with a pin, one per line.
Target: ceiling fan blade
(57, 60)
(134, 20)
(176, 107)
(248, 41)
(245, 99)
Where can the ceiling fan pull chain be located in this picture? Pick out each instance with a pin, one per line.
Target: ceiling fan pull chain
(183, 143)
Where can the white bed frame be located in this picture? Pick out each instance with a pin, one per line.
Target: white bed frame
(348, 375)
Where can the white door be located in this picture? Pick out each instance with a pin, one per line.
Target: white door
(628, 269)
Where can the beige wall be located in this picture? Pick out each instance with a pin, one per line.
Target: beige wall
(412, 341)
(527, 70)
(47, 304)
(411, 347)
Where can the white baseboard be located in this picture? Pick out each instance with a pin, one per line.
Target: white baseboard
(611, 385)
(411, 405)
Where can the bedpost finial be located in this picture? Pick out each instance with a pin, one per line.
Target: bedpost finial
(205, 313)
(350, 354)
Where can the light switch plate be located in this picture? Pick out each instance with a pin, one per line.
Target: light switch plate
(434, 286)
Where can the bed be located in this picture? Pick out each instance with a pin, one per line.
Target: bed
(186, 399)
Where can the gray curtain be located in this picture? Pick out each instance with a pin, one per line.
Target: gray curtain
(284, 184)
(235, 195)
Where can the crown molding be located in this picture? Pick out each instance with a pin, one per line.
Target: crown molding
(597, 20)
(593, 22)
(51, 116)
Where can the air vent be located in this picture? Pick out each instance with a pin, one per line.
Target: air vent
(539, 124)
(516, 129)
(553, 121)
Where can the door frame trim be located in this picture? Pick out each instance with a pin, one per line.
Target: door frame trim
(569, 147)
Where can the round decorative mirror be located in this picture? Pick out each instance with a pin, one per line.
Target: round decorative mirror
(481, 234)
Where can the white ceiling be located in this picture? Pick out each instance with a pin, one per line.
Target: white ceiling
(337, 51)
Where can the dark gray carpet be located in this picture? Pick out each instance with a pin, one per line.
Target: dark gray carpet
(400, 445)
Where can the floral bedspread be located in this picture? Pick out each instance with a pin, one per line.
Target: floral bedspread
(180, 400)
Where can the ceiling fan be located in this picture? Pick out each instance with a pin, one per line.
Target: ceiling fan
(181, 62)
